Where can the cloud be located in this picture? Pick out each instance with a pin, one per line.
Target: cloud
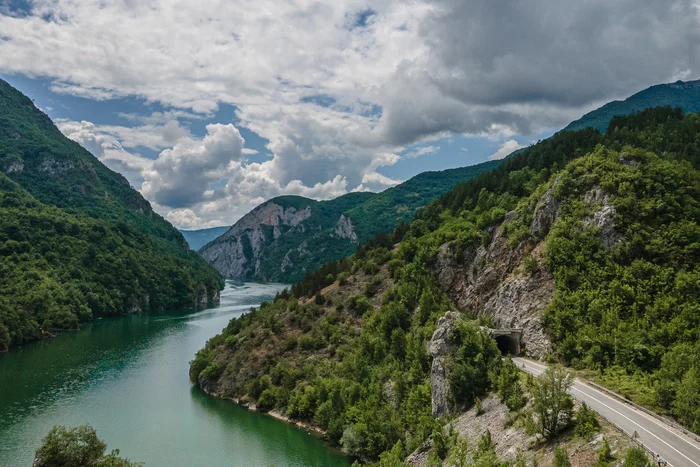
(106, 148)
(422, 151)
(338, 89)
(505, 150)
(376, 182)
(181, 176)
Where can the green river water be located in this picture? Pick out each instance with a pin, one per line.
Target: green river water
(128, 378)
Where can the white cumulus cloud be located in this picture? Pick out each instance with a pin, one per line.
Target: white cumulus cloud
(506, 149)
(336, 89)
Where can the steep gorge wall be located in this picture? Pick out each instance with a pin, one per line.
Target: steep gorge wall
(236, 254)
(491, 280)
(512, 285)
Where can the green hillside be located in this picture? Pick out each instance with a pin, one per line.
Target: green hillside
(399, 204)
(685, 95)
(605, 228)
(76, 239)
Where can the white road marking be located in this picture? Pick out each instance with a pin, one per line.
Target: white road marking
(539, 367)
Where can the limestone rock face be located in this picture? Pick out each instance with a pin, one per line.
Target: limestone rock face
(603, 216)
(54, 167)
(440, 348)
(344, 229)
(236, 253)
(15, 167)
(490, 281)
(545, 212)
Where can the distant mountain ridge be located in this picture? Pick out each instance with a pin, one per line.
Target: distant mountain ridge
(683, 94)
(286, 237)
(76, 240)
(196, 239)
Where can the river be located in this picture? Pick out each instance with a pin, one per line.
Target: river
(128, 378)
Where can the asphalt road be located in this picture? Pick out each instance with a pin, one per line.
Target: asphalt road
(673, 445)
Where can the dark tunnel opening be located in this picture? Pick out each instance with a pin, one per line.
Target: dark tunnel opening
(508, 345)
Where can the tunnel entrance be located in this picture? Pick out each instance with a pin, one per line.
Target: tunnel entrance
(508, 345)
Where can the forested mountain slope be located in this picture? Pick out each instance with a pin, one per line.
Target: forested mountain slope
(589, 242)
(286, 237)
(685, 95)
(75, 239)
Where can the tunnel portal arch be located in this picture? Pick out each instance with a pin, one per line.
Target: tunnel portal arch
(507, 345)
(507, 340)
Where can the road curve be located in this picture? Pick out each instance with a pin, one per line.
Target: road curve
(672, 444)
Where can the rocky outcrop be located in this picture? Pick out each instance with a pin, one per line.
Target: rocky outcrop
(603, 217)
(344, 229)
(236, 254)
(15, 167)
(491, 281)
(545, 212)
(54, 167)
(440, 348)
(508, 439)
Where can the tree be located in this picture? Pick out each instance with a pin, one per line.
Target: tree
(77, 447)
(508, 385)
(687, 405)
(561, 458)
(586, 422)
(485, 455)
(604, 455)
(551, 402)
(393, 457)
(636, 457)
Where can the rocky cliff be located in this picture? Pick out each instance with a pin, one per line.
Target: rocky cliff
(283, 239)
(237, 253)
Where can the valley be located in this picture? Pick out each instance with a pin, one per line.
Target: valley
(438, 322)
(539, 244)
(127, 377)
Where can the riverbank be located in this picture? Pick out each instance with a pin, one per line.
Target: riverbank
(128, 378)
(272, 413)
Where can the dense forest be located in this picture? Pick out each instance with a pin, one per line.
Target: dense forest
(346, 348)
(76, 241)
(284, 253)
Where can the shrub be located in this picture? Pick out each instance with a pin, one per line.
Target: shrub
(636, 457)
(561, 457)
(530, 264)
(370, 289)
(604, 455)
(201, 360)
(359, 305)
(508, 385)
(267, 400)
(370, 268)
(289, 344)
(343, 277)
(586, 422)
(213, 370)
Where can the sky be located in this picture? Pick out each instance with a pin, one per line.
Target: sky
(209, 107)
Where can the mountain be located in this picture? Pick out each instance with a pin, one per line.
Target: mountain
(685, 95)
(587, 243)
(196, 239)
(76, 240)
(286, 237)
